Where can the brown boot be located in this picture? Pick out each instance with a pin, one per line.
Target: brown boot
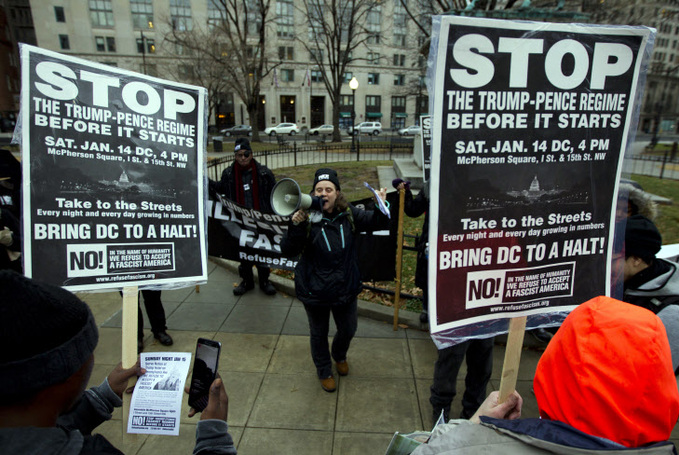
(328, 384)
(342, 368)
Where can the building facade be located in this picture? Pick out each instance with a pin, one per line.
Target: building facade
(132, 34)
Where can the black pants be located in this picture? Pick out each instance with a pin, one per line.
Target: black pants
(346, 320)
(245, 272)
(155, 312)
(479, 355)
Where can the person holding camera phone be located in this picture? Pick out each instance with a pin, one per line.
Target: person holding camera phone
(327, 278)
(44, 408)
(249, 183)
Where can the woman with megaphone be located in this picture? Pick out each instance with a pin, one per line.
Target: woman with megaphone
(327, 278)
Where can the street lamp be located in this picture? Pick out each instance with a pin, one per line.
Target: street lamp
(353, 85)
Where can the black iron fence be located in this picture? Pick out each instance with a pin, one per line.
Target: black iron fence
(652, 166)
(299, 155)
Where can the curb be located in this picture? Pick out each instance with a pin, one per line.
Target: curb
(367, 309)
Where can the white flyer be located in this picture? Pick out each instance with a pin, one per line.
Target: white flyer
(157, 398)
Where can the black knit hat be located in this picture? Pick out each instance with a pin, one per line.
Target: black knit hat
(642, 238)
(242, 144)
(46, 335)
(326, 174)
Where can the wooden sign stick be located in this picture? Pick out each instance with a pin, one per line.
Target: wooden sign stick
(129, 355)
(510, 368)
(399, 256)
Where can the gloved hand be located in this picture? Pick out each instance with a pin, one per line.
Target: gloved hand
(6, 237)
(396, 182)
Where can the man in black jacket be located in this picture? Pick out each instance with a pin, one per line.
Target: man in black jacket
(249, 183)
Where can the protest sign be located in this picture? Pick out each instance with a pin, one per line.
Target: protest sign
(238, 233)
(113, 175)
(529, 132)
(425, 138)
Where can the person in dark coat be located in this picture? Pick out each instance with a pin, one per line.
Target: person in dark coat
(327, 277)
(249, 183)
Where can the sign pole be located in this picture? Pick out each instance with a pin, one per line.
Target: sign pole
(510, 367)
(130, 354)
(399, 256)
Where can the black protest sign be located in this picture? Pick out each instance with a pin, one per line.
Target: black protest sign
(241, 234)
(113, 175)
(530, 127)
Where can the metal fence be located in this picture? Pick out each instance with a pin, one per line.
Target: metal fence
(322, 153)
(652, 166)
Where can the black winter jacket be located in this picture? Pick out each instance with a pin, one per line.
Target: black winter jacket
(227, 185)
(327, 271)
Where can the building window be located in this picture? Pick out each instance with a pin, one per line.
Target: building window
(374, 58)
(398, 102)
(399, 40)
(316, 76)
(63, 42)
(286, 53)
(374, 102)
(142, 14)
(346, 100)
(287, 75)
(101, 13)
(285, 19)
(151, 70)
(59, 14)
(185, 72)
(316, 55)
(399, 60)
(180, 12)
(347, 77)
(215, 12)
(253, 17)
(373, 78)
(150, 46)
(374, 38)
(399, 79)
(105, 43)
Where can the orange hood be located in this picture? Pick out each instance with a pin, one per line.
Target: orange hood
(608, 373)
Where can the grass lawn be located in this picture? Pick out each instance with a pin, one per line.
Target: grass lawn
(668, 215)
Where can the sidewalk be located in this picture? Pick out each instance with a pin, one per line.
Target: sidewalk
(276, 404)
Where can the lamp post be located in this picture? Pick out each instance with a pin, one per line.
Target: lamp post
(353, 85)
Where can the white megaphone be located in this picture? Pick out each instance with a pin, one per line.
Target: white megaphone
(287, 198)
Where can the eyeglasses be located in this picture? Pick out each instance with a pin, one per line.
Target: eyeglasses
(245, 154)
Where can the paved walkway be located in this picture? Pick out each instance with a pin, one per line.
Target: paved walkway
(276, 404)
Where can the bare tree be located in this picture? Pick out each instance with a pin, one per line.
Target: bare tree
(336, 29)
(234, 42)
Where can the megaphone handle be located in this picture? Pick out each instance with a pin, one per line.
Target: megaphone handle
(299, 216)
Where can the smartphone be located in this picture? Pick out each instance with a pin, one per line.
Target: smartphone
(204, 372)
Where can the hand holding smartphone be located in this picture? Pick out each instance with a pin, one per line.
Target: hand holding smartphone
(204, 372)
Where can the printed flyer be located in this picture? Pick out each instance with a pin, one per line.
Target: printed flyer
(157, 399)
(529, 133)
(113, 175)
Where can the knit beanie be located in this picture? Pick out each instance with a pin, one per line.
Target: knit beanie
(242, 144)
(326, 174)
(608, 373)
(46, 335)
(642, 238)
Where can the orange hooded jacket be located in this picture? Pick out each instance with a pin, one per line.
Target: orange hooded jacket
(608, 372)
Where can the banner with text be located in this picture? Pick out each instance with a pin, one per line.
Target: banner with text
(241, 234)
(113, 166)
(529, 132)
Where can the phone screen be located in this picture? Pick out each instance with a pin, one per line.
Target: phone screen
(204, 372)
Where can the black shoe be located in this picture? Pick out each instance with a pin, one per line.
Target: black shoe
(243, 287)
(140, 345)
(542, 335)
(164, 338)
(267, 287)
(424, 317)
